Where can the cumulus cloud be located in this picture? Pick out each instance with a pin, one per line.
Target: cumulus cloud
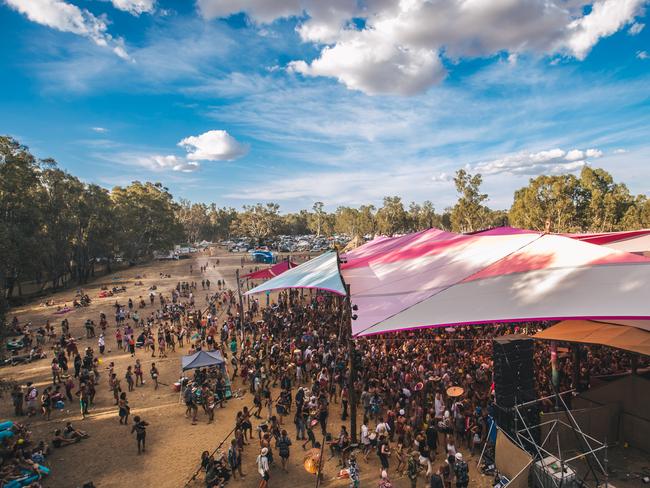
(214, 145)
(553, 161)
(391, 47)
(157, 162)
(67, 17)
(606, 18)
(135, 7)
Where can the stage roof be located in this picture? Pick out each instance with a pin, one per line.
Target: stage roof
(435, 278)
(626, 337)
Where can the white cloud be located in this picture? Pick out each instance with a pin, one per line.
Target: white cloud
(553, 161)
(606, 18)
(642, 55)
(67, 17)
(260, 10)
(442, 178)
(135, 7)
(398, 47)
(100, 130)
(635, 28)
(157, 162)
(620, 151)
(214, 145)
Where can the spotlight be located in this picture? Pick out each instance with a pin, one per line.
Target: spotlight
(355, 308)
(355, 317)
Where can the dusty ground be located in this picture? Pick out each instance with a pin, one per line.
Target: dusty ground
(109, 457)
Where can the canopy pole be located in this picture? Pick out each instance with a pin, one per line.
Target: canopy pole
(241, 308)
(352, 353)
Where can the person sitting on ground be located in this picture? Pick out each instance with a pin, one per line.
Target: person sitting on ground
(60, 441)
(71, 433)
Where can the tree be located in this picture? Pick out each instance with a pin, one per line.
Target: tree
(318, 218)
(295, 223)
(637, 215)
(195, 220)
(21, 214)
(469, 214)
(392, 218)
(606, 202)
(145, 216)
(221, 221)
(423, 216)
(257, 221)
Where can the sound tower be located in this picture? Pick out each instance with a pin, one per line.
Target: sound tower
(514, 382)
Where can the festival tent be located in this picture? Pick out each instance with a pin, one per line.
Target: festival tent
(319, 273)
(633, 336)
(435, 278)
(202, 359)
(636, 241)
(273, 271)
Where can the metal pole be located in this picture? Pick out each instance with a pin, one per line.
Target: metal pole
(352, 393)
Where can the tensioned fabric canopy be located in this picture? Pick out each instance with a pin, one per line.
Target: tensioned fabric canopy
(435, 278)
(637, 241)
(273, 271)
(321, 273)
(633, 338)
(202, 359)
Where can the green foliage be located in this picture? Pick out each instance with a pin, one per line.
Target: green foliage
(565, 203)
(145, 218)
(469, 214)
(257, 221)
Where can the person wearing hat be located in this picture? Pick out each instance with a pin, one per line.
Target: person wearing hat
(263, 467)
(461, 470)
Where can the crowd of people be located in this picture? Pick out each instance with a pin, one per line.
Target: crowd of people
(292, 360)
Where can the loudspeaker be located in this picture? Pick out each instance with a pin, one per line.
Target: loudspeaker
(514, 382)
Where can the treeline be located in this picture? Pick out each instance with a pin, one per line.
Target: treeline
(54, 225)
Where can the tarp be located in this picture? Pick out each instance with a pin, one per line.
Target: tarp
(273, 271)
(434, 278)
(512, 461)
(437, 278)
(320, 273)
(202, 359)
(626, 337)
(637, 241)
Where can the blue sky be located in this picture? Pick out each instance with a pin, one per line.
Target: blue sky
(343, 101)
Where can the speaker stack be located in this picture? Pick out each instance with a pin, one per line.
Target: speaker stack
(514, 382)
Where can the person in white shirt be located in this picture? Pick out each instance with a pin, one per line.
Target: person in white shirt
(263, 467)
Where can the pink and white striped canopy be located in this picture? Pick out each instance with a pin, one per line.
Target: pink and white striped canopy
(434, 278)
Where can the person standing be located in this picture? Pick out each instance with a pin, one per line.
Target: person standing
(154, 375)
(124, 409)
(353, 470)
(140, 429)
(461, 470)
(412, 467)
(234, 459)
(282, 445)
(263, 467)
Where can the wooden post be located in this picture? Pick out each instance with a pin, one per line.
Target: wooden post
(352, 393)
(241, 308)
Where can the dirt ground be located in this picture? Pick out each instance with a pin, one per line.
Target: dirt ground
(109, 457)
